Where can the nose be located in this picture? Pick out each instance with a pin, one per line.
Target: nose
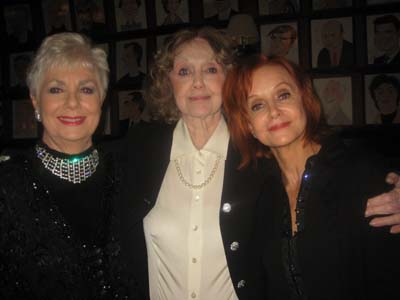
(198, 80)
(274, 111)
(72, 100)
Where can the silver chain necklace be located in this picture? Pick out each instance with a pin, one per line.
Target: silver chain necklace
(205, 182)
(75, 169)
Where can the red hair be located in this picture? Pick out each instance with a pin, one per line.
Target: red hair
(235, 93)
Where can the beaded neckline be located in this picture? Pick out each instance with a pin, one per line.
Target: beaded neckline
(72, 168)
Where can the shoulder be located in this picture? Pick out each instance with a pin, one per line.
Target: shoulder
(146, 134)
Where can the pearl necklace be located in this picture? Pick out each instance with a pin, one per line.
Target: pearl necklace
(75, 169)
(205, 182)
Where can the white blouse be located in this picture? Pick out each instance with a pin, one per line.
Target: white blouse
(183, 237)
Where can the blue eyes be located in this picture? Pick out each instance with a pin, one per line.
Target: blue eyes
(186, 71)
(284, 96)
(84, 90)
(87, 90)
(54, 90)
(183, 72)
(257, 106)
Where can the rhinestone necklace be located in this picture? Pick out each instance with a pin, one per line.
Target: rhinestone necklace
(205, 182)
(75, 169)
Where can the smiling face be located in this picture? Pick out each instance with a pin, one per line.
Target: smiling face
(197, 80)
(69, 103)
(387, 38)
(276, 114)
(386, 96)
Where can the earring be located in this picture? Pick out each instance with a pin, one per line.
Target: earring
(37, 116)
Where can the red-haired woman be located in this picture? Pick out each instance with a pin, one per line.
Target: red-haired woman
(315, 241)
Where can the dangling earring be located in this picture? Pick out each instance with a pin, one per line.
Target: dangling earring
(37, 116)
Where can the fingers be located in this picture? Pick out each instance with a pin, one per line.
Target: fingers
(392, 220)
(387, 203)
(395, 229)
(393, 178)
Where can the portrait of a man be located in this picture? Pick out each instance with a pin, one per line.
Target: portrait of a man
(24, 123)
(19, 33)
(330, 4)
(130, 14)
(131, 109)
(278, 7)
(57, 16)
(171, 12)
(131, 63)
(382, 98)
(90, 17)
(385, 30)
(280, 40)
(218, 10)
(332, 43)
(336, 98)
(19, 63)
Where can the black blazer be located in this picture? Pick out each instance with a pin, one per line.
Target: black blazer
(346, 57)
(336, 254)
(382, 60)
(148, 147)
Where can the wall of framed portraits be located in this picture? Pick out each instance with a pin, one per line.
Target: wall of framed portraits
(350, 47)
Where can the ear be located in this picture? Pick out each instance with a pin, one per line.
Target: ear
(35, 102)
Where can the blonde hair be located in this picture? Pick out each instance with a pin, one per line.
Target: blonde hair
(67, 49)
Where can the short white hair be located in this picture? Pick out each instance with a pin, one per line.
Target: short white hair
(67, 49)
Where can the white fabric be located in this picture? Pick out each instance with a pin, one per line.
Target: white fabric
(183, 237)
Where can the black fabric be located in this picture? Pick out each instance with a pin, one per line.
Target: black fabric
(335, 254)
(147, 157)
(55, 250)
(346, 56)
(383, 60)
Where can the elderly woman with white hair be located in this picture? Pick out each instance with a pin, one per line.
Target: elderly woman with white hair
(56, 202)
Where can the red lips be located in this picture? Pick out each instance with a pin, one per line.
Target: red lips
(278, 126)
(71, 121)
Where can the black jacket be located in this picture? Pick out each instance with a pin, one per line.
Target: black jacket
(335, 254)
(42, 255)
(148, 149)
(346, 57)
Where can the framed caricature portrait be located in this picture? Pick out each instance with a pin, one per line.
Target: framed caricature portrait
(24, 123)
(280, 40)
(219, 10)
(171, 12)
(19, 63)
(331, 4)
(90, 18)
(332, 42)
(382, 96)
(278, 7)
(130, 14)
(57, 16)
(19, 33)
(374, 2)
(131, 109)
(336, 98)
(383, 39)
(162, 39)
(131, 63)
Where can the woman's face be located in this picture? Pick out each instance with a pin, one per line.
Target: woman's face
(386, 96)
(69, 103)
(197, 80)
(275, 108)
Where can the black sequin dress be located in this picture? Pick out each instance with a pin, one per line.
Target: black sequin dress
(57, 238)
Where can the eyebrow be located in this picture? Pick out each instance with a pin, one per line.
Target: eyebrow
(82, 82)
